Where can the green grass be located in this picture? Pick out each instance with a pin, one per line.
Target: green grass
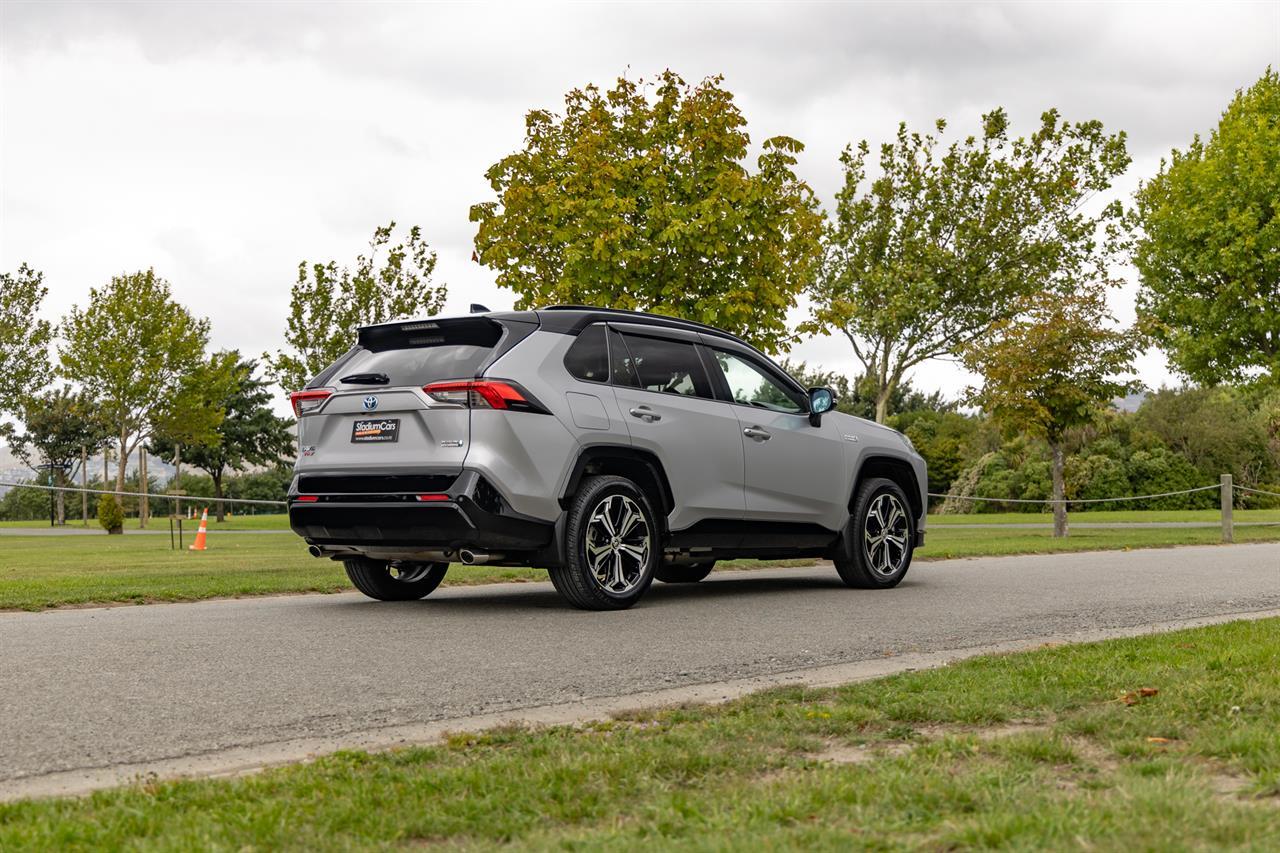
(942, 543)
(38, 572)
(1037, 750)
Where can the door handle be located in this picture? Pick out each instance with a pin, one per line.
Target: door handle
(645, 414)
(757, 433)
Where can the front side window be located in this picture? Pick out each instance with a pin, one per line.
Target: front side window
(665, 366)
(751, 386)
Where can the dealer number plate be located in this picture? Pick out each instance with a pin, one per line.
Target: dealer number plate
(375, 429)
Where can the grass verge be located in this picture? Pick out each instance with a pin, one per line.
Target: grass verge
(1162, 742)
(38, 572)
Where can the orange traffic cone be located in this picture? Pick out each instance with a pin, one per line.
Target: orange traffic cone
(198, 545)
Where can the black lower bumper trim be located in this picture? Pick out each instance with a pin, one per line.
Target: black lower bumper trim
(399, 520)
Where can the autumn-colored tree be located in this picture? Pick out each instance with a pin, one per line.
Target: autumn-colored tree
(1051, 369)
(639, 197)
(328, 303)
(943, 244)
(24, 339)
(1209, 249)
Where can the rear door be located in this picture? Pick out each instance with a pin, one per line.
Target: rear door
(377, 419)
(664, 390)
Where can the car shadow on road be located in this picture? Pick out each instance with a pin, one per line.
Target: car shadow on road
(533, 596)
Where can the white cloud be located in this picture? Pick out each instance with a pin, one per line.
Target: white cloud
(223, 143)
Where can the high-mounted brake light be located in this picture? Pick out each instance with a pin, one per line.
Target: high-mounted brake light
(308, 400)
(483, 394)
(306, 499)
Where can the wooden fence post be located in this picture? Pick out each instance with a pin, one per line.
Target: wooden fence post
(1227, 495)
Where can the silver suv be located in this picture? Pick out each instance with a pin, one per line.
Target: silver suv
(609, 447)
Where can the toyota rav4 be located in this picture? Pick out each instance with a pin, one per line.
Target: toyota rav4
(609, 447)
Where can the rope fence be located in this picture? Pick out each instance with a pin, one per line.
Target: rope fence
(1225, 487)
(150, 495)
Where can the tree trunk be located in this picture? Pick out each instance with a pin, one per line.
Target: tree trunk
(217, 493)
(1059, 492)
(84, 484)
(124, 464)
(60, 479)
(144, 503)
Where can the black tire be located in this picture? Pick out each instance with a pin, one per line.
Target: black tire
(859, 558)
(382, 581)
(576, 580)
(689, 573)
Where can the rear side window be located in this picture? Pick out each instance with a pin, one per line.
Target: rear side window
(668, 367)
(588, 358)
(419, 353)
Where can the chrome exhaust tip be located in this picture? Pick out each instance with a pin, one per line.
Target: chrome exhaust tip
(476, 558)
(315, 551)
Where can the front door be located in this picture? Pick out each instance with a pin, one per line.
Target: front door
(792, 467)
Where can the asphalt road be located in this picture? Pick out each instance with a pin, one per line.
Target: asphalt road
(125, 686)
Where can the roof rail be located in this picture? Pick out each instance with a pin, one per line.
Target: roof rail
(627, 313)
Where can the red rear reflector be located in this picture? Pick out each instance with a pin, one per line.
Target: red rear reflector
(429, 498)
(305, 401)
(307, 499)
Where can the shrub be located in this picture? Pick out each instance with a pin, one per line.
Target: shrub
(110, 514)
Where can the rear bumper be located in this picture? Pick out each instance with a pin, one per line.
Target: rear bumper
(382, 520)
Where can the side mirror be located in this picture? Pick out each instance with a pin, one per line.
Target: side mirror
(820, 400)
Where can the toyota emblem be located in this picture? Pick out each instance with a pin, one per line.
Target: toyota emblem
(370, 403)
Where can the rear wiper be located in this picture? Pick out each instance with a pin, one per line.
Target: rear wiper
(366, 379)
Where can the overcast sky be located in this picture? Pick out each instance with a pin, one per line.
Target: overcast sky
(223, 143)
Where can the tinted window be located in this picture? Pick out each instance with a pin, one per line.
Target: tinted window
(416, 366)
(750, 385)
(670, 367)
(588, 357)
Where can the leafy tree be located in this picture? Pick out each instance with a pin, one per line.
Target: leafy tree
(26, 504)
(941, 246)
(1217, 430)
(142, 355)
(24, 339)
(638, 198)
(328, 303)
(250, 434)
(1052, 370)
(943, 437)
(57, 426)
(1209, 252)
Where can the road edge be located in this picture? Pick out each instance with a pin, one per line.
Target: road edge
(240, 761)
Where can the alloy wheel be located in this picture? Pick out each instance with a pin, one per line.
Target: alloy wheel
(617, 544)
(885, 530)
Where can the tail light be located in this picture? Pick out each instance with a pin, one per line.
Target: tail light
(309, 400)
(484, 394)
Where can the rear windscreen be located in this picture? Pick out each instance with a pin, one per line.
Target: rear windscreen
(418, 353)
